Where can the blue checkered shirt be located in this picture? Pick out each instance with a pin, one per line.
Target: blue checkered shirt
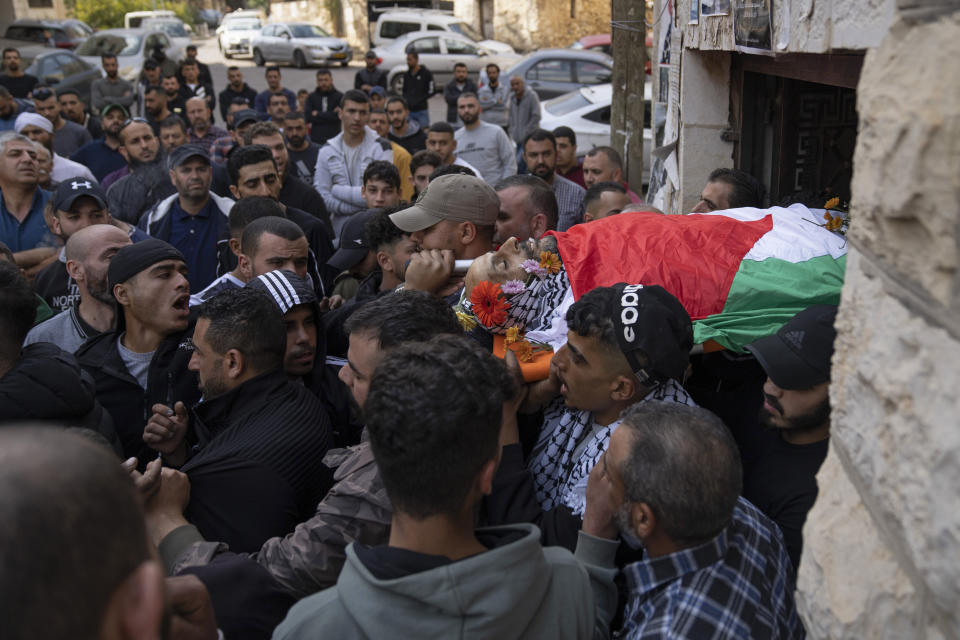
(569, 202)
(738, 585)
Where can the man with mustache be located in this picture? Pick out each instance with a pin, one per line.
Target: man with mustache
(781, 461)
(146, 181)
(540, 154)
(194, 218)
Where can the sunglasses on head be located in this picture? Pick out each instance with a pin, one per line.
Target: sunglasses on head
(130, 121)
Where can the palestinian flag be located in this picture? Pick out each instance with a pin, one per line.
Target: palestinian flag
(740, 274)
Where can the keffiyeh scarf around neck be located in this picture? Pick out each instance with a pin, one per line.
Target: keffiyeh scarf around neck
(532, 309)
(560, 477)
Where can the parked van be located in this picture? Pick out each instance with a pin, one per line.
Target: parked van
(134, 19)
(396, 22)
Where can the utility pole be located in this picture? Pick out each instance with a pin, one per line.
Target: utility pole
(626, 111)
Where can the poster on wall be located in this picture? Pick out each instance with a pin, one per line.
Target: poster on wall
(694, 12)
(752, 25)
(710, 8)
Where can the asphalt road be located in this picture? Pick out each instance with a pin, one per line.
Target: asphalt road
(293, 78)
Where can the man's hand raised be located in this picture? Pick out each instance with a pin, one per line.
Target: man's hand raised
(431, 270)
(166, 428)
(164, 509)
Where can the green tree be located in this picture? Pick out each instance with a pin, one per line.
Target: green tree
(109, 15)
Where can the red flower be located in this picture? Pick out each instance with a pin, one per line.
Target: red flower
(488, 303)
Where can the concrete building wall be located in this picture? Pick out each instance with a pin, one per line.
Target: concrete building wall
(351, 24)
(882, 546)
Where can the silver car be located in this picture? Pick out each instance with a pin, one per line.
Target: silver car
(438, 51)
(300, 44)
(131, 46)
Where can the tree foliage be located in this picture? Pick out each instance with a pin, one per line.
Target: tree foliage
(108, 15)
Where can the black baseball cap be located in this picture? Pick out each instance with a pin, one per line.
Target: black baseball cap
(370, 54)
(184, 152)
(245, 115)
(353, 242)
(652, 320)
(72, 188)
(798, 355)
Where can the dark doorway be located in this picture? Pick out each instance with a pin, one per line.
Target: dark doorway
(797, 123)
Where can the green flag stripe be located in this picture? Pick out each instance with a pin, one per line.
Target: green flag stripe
(765, 294)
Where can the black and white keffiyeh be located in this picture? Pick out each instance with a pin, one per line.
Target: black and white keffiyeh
(571, 444)
(531, 309)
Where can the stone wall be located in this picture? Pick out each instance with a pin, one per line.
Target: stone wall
(536, 24)
(882, 545)
(343, 18)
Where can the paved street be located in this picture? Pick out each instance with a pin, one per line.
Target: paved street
(293, 78)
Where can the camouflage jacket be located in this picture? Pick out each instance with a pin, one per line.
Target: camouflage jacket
(309, 559)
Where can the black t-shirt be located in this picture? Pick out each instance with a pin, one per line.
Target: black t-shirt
(781, 481)
(56, 286)
(19, 87)
(304, 162)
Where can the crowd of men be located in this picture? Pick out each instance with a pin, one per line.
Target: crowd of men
(240, 390)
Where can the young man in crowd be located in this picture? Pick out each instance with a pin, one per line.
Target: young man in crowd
(524, 111)
(294, 192)
(494, 98)
(88, 252)
(401, 157)
(111, 89)
(378, 98)
(274, 85)
(604, 199)
(194, 218)
(441, 140)
(204, 74)
(321, 108)
(404, 130)
(241, 119)
(729, 189)
(713, 565)
(600, 371)
(176, 93)
(371, 75)
(781, 458)
(77, 204)
(40, 130)
(102, 155)
(147, 182)
(433, 548)
(236, 88)
(540, 155)
(202, 130)
(173, 133)
(458, 85)
(67, 136)
(338, 176)
(150, 76)
(417, 88)
(528, 209)
(568, 166)
(422, 165)
(194, 87)
(143, 360)
(277, 107)
(14, 79)
(10, 108)
(256, 469)
(603, 164)
(301, 150)
(484, 145)
(74, 110)
(156, 106)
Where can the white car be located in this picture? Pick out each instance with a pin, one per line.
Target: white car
(587, 112)
(235, 36)
(438, 51)
(178, 32)
(131, 46)
(395, 23)
(300, 44)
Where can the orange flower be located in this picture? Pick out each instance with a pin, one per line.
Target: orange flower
(488, 303)
(832, 203)
(523, 350)
(550, 261)
(513, 335)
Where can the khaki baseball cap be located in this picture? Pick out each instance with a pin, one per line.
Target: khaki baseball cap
(455, 197)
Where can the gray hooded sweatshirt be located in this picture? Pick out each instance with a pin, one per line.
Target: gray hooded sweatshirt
(517, 589)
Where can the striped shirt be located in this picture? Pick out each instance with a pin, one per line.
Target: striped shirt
(738, 585)
(569, 202)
